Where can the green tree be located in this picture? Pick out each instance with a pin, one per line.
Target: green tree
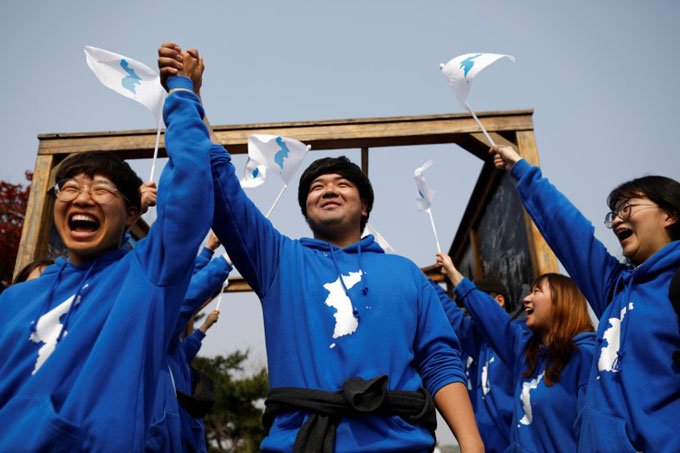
(235, 423)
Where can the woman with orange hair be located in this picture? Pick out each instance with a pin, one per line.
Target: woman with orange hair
(550, 362)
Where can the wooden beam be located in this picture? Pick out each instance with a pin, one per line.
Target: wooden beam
(38, 221)
(322, 135)
(543, 259)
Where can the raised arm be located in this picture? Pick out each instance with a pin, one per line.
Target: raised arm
(570, 235)
(185, 202)
(203, 284)
(470, 339)
(250, 239)
(207, 253)
(505, 337)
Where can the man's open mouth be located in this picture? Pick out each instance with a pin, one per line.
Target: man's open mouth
(623, 233)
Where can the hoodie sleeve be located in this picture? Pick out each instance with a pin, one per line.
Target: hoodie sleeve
(437, 351)
(570, 235)
(505, 337)
(203, 258)
(469, 337)
(201, 286)
(185, 202)
(192, 344)
(251, 240)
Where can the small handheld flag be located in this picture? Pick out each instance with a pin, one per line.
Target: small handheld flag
(254, 174)
(460, 72)
(281, 155)
(369, 229)
(425, 197)
(133, 80)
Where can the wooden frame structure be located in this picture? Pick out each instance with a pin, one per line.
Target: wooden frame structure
(506, 127)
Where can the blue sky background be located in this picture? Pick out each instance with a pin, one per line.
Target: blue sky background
(601, 76)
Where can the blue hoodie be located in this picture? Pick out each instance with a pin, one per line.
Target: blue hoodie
(633, 402)
(543, 417)
(94, 389)
(492, 384)
(382, 318)
(172, 428)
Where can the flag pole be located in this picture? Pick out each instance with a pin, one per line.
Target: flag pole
(486, 134)
(219, 300)
(155, 150)
(285, 186)
(434, 229)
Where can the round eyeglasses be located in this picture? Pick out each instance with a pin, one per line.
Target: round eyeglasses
(623, 212)
(101, 192)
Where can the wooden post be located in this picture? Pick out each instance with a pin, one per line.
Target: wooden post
(35, 234)
(364, 160)
(542, 258)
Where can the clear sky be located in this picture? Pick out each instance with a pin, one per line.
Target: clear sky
(602, 78)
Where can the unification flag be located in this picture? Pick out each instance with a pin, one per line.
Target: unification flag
(369, 229)
(128, 77)
(281, 155)
(254, 175)
(425, 194)
(461, 70)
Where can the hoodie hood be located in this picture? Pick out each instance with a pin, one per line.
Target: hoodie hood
(585, 339)
(366, 244)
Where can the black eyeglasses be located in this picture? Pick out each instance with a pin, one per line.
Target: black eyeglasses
(101, 192)
(623, 212)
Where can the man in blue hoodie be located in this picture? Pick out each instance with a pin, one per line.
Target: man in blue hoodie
(83, 344)
(357, 340)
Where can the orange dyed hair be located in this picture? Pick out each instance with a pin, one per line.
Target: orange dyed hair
(569, 318)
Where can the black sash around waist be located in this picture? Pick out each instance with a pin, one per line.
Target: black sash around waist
(358, 396)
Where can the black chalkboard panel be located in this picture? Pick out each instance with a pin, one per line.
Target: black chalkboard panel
(503, 243)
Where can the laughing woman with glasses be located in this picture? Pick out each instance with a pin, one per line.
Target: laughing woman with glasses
(633, 396)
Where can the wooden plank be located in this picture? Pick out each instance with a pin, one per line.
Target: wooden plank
(543, 259)
(478, 271)
(322, 135)
(38, 219)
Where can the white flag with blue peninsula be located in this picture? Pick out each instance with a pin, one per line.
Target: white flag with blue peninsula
(281, 155)
(460, 71)
(425, 194)
(128, 77)
(254, 174)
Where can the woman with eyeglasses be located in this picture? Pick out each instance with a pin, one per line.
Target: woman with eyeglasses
(633, 396)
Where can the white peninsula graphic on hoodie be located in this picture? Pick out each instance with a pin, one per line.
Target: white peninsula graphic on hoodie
(345, 321)
(47, 331)
(609, 352)
(527, 387)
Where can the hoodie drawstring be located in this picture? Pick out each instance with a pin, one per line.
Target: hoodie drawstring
(76, 301)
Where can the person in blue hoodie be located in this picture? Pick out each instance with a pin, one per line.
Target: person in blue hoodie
(492, 385)
(84, 343)
(356, 339)
(173, 427)
(550, 366)
(633, 401)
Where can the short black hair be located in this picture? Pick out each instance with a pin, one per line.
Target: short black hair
(495, 286)
(662, 191)
(106, 164)
(341, 166)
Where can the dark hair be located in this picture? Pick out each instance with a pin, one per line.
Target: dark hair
(664, 192)
(105, 164)
(495, 286)
(569, 318)
(23, 274)
(341, 166)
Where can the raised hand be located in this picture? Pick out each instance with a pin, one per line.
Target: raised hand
(170, 61)
(211, 319)
(447, 268)
(504, 157)
(149, 194)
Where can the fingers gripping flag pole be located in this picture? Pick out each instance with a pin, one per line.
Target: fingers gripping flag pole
(281, 155)
(460, 72)
(133, 80)
(425, 197)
